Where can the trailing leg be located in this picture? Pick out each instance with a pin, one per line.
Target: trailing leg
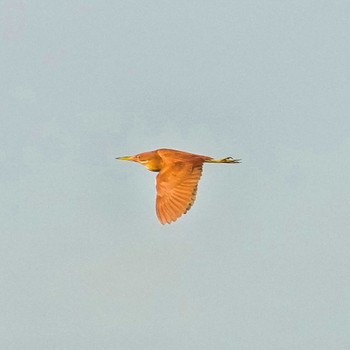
(224, 160)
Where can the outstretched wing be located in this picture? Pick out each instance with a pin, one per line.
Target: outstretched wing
(176, 190)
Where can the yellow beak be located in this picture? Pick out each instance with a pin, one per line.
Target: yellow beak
(126, 158)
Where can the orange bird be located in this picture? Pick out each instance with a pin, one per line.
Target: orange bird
(177, 181)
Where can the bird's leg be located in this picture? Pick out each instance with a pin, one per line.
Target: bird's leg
(224, 160)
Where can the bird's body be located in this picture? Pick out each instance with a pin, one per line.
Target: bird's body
(177, 181)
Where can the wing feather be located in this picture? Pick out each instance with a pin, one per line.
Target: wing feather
(176, 190)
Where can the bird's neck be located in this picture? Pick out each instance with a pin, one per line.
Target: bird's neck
(152, 165)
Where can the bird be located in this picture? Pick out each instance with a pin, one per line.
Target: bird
(177, 179)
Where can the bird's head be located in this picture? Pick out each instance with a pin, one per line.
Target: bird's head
(150, 160)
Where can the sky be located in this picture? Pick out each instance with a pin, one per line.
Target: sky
(261, 261)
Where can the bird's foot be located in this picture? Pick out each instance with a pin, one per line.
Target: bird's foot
(230, 160)
(224, 160)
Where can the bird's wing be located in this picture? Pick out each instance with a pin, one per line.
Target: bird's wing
(176, 190)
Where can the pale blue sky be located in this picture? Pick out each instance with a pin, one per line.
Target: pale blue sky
(262, 259)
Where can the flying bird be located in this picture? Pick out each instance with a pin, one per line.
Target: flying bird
(177, 181)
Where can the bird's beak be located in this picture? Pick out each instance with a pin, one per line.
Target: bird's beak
(126, 158)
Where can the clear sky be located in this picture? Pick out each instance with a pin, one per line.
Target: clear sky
(261, 261)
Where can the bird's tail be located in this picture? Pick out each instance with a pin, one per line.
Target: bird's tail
(224, 160)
